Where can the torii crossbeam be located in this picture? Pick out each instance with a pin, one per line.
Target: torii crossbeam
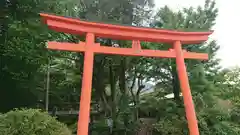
(136, 34)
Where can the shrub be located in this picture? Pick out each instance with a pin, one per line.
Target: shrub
(31, 122)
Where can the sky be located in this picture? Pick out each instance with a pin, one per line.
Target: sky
(225, 31)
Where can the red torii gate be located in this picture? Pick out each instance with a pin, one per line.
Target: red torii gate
(136, 34)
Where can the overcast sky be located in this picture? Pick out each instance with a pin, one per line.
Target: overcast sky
(226, 30)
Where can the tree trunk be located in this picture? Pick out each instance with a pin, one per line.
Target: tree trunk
(112, 81)
(122, 76)
(175, 83)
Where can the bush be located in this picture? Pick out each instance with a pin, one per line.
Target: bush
(30, 122)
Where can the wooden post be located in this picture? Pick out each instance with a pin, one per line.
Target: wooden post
(85, 100)
(184, 83)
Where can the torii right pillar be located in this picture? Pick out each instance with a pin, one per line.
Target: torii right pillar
(184, 84)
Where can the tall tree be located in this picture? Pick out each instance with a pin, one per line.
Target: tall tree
(22, 50)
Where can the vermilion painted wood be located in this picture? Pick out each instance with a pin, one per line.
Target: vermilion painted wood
(135, 51)
(187, 96)
(75, 26)
(85, 101)
(136, 45)
(92, 29)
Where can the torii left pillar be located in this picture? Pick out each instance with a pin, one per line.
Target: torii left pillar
(83, 117)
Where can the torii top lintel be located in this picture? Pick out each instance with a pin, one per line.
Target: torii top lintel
(75, 26)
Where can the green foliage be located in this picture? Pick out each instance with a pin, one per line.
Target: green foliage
(31, 122)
